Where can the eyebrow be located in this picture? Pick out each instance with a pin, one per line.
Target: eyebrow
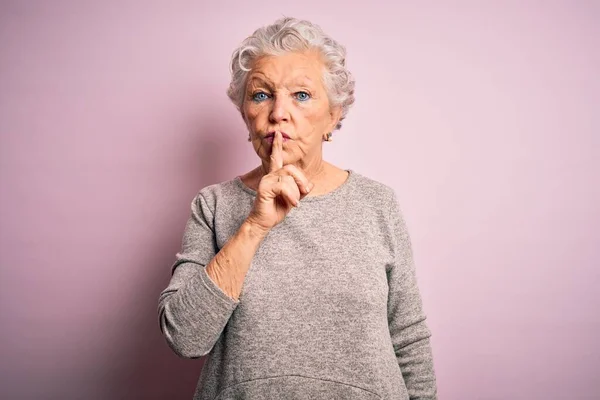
(302, 80)
(259, 79)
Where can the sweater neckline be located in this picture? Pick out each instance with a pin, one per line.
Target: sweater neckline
(333, 193)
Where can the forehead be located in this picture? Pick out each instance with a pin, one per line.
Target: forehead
(305, 68)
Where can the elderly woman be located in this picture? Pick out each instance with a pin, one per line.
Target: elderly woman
(296, 279)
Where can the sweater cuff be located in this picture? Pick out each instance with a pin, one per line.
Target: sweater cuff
(219, 298)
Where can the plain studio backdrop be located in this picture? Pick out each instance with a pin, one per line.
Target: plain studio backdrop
(484, 116)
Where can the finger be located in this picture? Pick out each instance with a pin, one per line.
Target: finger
(300, 178)
(290, 191)
(285, 187)
(276, 152)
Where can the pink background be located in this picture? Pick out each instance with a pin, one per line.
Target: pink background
(484, 116)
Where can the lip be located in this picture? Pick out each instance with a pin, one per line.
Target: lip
(271, 136)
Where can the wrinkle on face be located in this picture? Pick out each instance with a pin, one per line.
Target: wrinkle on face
(281, 78)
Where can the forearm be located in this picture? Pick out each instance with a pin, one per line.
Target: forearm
(197, 304)
(229, 267)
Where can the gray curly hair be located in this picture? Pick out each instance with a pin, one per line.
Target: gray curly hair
(287, 35)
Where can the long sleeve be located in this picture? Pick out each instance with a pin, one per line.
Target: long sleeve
(406, 318)
(193, 310)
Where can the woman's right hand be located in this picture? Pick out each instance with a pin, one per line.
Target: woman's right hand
(279, 190)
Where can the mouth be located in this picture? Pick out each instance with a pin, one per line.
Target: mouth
(271, 136)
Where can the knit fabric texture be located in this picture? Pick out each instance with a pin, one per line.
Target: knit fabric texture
(329, 309)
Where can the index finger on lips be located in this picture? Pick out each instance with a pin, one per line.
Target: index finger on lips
(276, 152)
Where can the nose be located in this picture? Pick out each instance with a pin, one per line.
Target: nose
(280, 111)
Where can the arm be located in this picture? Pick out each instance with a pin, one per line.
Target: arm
(205, 286)
(195, 307)
(406, 318)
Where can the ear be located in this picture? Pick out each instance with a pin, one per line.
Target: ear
(334, 113)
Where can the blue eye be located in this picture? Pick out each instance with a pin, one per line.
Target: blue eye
(259, 96)
(302, 96)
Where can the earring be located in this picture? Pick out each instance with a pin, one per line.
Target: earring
(249, 137)
(328, 137)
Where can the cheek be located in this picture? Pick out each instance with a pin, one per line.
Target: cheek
(314, 114)
(254, 111)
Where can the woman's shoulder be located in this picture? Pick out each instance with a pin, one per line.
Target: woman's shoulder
(225, 192)
(372, 189)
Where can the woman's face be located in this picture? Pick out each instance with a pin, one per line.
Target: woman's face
(286, 93)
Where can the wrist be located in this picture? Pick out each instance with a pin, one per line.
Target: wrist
(254, 229)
